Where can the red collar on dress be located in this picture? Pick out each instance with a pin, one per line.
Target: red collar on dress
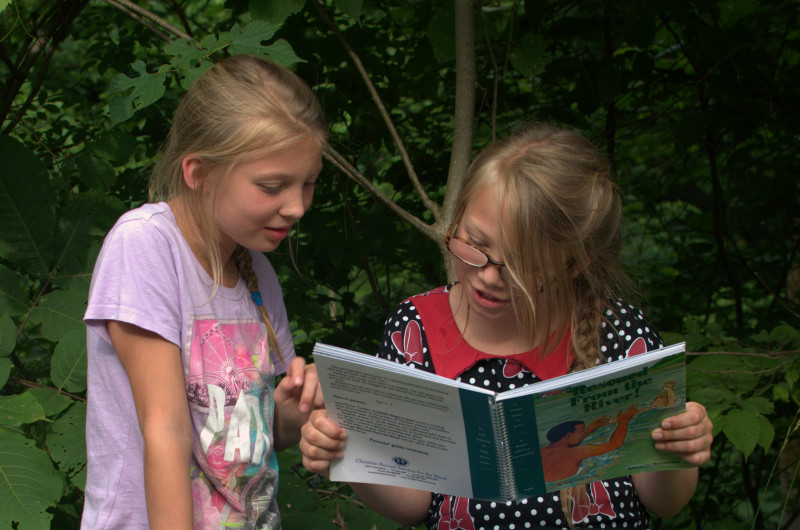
(452, 355)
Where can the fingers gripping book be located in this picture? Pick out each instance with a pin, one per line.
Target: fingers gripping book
(411, 428)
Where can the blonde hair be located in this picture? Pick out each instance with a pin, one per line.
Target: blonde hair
(560, 230)
(241, 108)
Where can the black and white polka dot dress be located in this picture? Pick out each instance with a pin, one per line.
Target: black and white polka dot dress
(609, 504)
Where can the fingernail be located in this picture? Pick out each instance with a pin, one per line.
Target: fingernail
(661, 447)
(657, 435)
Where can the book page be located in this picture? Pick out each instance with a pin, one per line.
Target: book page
(599, 428)
(402, 430)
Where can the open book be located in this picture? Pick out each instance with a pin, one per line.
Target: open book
(410, 428)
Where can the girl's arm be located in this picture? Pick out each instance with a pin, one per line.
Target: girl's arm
(296, 396)
(688, 435)
(323, 440)
(154, 369)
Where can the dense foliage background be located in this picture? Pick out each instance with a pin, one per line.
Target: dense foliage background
(697, 103)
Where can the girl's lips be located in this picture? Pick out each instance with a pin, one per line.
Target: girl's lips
(486, 299)
(278, 233)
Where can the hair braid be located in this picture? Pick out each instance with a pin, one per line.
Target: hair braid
(244, 262)
(586, 328)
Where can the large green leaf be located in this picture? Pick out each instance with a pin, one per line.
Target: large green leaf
(19, 409)
(13, 298)
(68, 367)
(27, 219)
(67, 439)
(52, 401)
(29, 484)
(743, 430)
(8, 335)
(60, 312)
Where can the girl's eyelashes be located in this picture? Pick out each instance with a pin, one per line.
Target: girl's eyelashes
(271, 188)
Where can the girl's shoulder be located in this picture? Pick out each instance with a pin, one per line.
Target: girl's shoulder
(626, 331)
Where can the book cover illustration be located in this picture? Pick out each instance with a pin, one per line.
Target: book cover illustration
(603, 429)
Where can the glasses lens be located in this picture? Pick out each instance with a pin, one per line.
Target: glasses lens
(468, 254)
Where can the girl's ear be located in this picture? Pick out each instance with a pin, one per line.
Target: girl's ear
(193, 171)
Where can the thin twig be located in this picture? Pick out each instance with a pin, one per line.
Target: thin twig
(347, 168)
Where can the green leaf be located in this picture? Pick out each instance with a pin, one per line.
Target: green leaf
(742, 429)
(5, 371)
(97, 173)
(248, 40)
(214, 43)
(29, 483)
(766, 432)
(189, 60)
(758, 405)
(52, 401)
(134, 93)
(27, 218)
(274, 11)
(67, 439)
(13, 299)
(441, 34)
(350, 7)
(281, 52)
(8, 336)
(4, 4)
(60, 312)
(115, 146)
(19, 409)
(530, 58)
(68, 367)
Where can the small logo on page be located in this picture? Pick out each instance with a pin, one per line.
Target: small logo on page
(400, 461)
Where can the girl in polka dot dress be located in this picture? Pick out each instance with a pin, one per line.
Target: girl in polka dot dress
(535, 241)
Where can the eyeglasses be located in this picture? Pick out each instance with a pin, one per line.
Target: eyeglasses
(472, 255)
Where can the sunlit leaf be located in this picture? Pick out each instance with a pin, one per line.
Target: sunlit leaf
(30, 484)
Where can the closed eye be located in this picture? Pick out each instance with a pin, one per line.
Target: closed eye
(271, 188)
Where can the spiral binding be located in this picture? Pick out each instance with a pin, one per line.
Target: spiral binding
(504, 463)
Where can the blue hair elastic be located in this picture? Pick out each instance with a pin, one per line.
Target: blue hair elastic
(256, 296)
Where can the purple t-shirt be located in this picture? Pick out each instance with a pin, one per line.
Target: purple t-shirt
(147, 275)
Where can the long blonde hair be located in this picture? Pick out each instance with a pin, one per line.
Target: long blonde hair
(241, 108)
(561, 234)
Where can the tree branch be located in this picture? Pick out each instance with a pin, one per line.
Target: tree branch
(412, 174)
(463, 115)
(347, 168)
(130, 6)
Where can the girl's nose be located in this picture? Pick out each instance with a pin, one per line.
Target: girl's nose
(491, 274)
(295, 205)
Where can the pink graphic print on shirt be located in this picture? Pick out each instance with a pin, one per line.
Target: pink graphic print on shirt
(229, 384)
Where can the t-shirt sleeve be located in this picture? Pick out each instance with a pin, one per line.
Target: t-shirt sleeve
(272, 296)
(135, 281)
